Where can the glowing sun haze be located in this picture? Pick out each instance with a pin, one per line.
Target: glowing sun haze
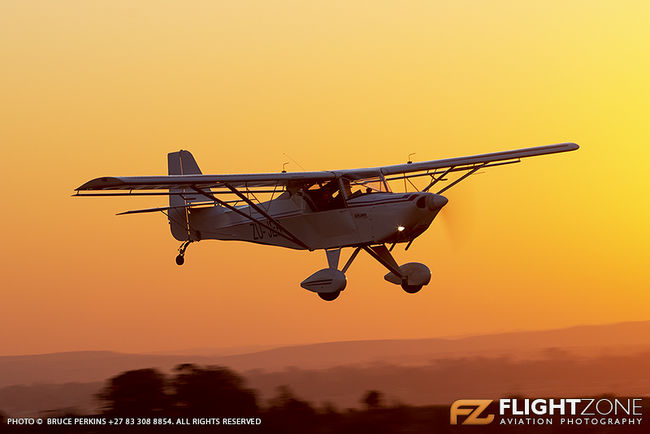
(109, 87)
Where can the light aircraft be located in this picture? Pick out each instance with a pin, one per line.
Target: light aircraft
(327, 210)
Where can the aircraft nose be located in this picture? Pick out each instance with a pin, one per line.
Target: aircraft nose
(436, 202)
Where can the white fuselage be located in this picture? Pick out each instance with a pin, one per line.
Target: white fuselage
(368, 219)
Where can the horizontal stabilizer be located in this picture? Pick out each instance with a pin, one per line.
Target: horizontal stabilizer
(166, 208)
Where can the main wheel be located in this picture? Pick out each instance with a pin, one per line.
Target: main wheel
(180, 260)
(411, 289)
(329, 296)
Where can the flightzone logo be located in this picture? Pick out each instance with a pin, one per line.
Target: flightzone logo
(543, 411)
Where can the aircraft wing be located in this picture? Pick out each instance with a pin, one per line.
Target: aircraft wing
(425, 168)
(494, 158)
(201, 181)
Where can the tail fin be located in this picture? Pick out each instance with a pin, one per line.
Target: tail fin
(182, 163)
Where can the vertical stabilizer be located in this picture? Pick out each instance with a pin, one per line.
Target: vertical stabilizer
(182, 163)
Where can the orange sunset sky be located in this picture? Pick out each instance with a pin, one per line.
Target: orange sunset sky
(109, 87)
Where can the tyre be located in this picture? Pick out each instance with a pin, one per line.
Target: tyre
(329, 296)
(411, 289)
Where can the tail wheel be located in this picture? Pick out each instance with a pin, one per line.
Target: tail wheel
(411, 289)
(180, 259)
(329, 296)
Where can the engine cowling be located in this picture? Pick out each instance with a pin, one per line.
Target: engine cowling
(327, 280)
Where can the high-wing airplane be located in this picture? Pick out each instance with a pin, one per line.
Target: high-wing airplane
(327, 210)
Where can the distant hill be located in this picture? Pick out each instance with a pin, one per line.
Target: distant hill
(34, 399)
(623, 338)
(583, 341)
(81, 366)
(446, 380)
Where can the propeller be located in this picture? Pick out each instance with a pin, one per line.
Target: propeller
(456, 218)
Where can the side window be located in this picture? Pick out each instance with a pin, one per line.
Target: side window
(324, 197)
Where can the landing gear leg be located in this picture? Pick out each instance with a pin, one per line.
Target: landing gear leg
(354, 255)
(180, 259)
(383, 256)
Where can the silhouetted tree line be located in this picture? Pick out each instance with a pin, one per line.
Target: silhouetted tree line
(202, 392)
(193, 391)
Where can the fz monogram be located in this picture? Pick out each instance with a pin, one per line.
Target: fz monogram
(472, 408)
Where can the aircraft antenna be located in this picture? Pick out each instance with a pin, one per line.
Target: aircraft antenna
(297, 164)
(409, 159)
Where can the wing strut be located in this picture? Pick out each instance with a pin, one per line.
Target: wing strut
(436, 180)
(250, 203)
(243, 214)
(461, 178)
(288, 235)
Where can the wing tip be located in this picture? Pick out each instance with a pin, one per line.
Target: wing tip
(100, 183)
(570, 146)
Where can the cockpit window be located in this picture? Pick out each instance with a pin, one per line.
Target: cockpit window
(368, 185)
